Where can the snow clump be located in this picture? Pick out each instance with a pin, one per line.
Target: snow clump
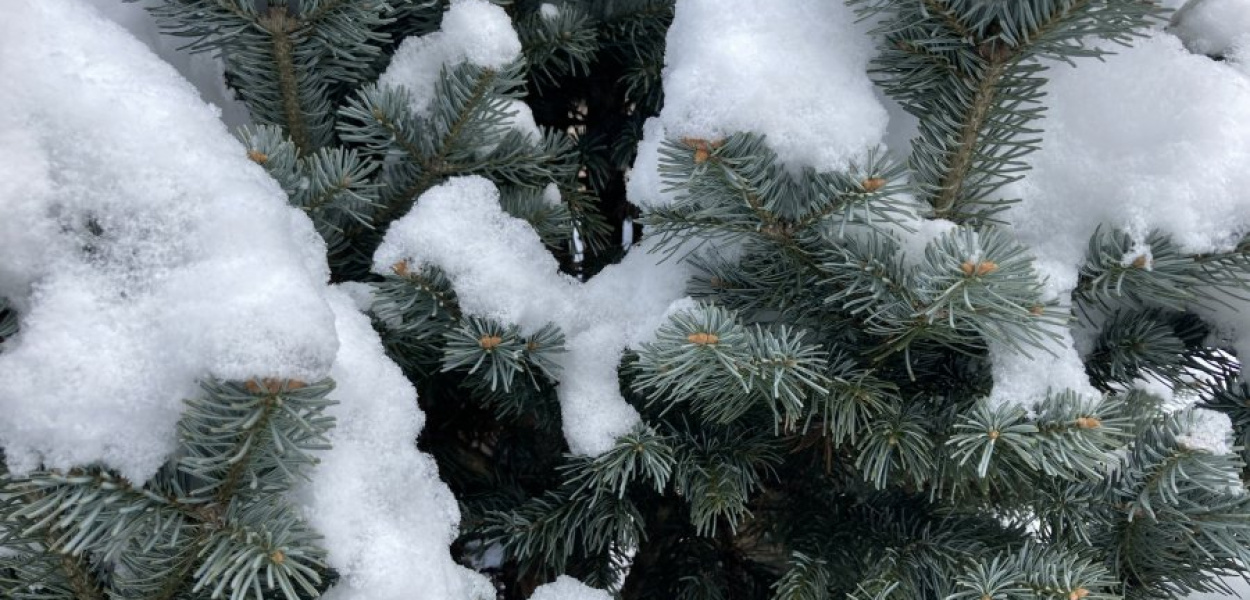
(473, 31)
(135, 270)
(1184, 175)
(793, 71)
(501, 270)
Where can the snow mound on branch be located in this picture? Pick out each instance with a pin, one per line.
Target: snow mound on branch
(1213, 27)
(1207, 431)
(567, 588)
(499, 266)
(386, 517)
(473, 31)
(205, 71)
(135, 270)
(794, 71)
(500, 269)
(1025, 378)
(1154, 137)
(1151, 138)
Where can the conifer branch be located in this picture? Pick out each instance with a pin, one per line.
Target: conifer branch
(961, 158)
(280, 26)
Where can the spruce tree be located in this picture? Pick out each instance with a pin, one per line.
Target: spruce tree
(674, 345)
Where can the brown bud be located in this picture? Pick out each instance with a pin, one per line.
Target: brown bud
(968, 268)
(257, 156)
(703, 339)
(1037, 310)
(872, 184)
(269, 385)
(1078, 593)
(702, 148)
(1140, 262)
(986, 267)
(401, 268)
(277, 557)
(993, 434)
(489, 342)
(1088, 422)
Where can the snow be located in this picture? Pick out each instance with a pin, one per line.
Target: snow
(499, 266)
(202, 69)
(567, 588)
(1207, 431)
(142, 249)
(1184, 174)
(387, 518)
(726, 63)
(1213, 27)
(473, 31)
(549, 11)
(1240, 588)
(551, 195)
(500, 269)
(1154, 137)
(197, 268)
(1025, 378)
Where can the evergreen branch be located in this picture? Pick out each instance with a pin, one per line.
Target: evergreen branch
(279, 26)
(434, 167)
(81, 579)
(960, 160)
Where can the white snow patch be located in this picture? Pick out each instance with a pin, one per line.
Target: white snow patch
(551, 195)
(1183, 174)
(1213, 27)
(500, 269)
(473, 31)
(1209, 431)
(567, 588)
(205, 71)
(499, 266)
(923, 232)
(793, 71)
(135, 270)
(1240, 591)
(387, 518)
(1025, 378)
(549, 10)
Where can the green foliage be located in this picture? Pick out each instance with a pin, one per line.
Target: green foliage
(816, 425)
(969, 70)
(215, 522)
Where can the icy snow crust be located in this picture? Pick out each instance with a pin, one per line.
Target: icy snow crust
(141, 247)
(794, 71)
(500, 269)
